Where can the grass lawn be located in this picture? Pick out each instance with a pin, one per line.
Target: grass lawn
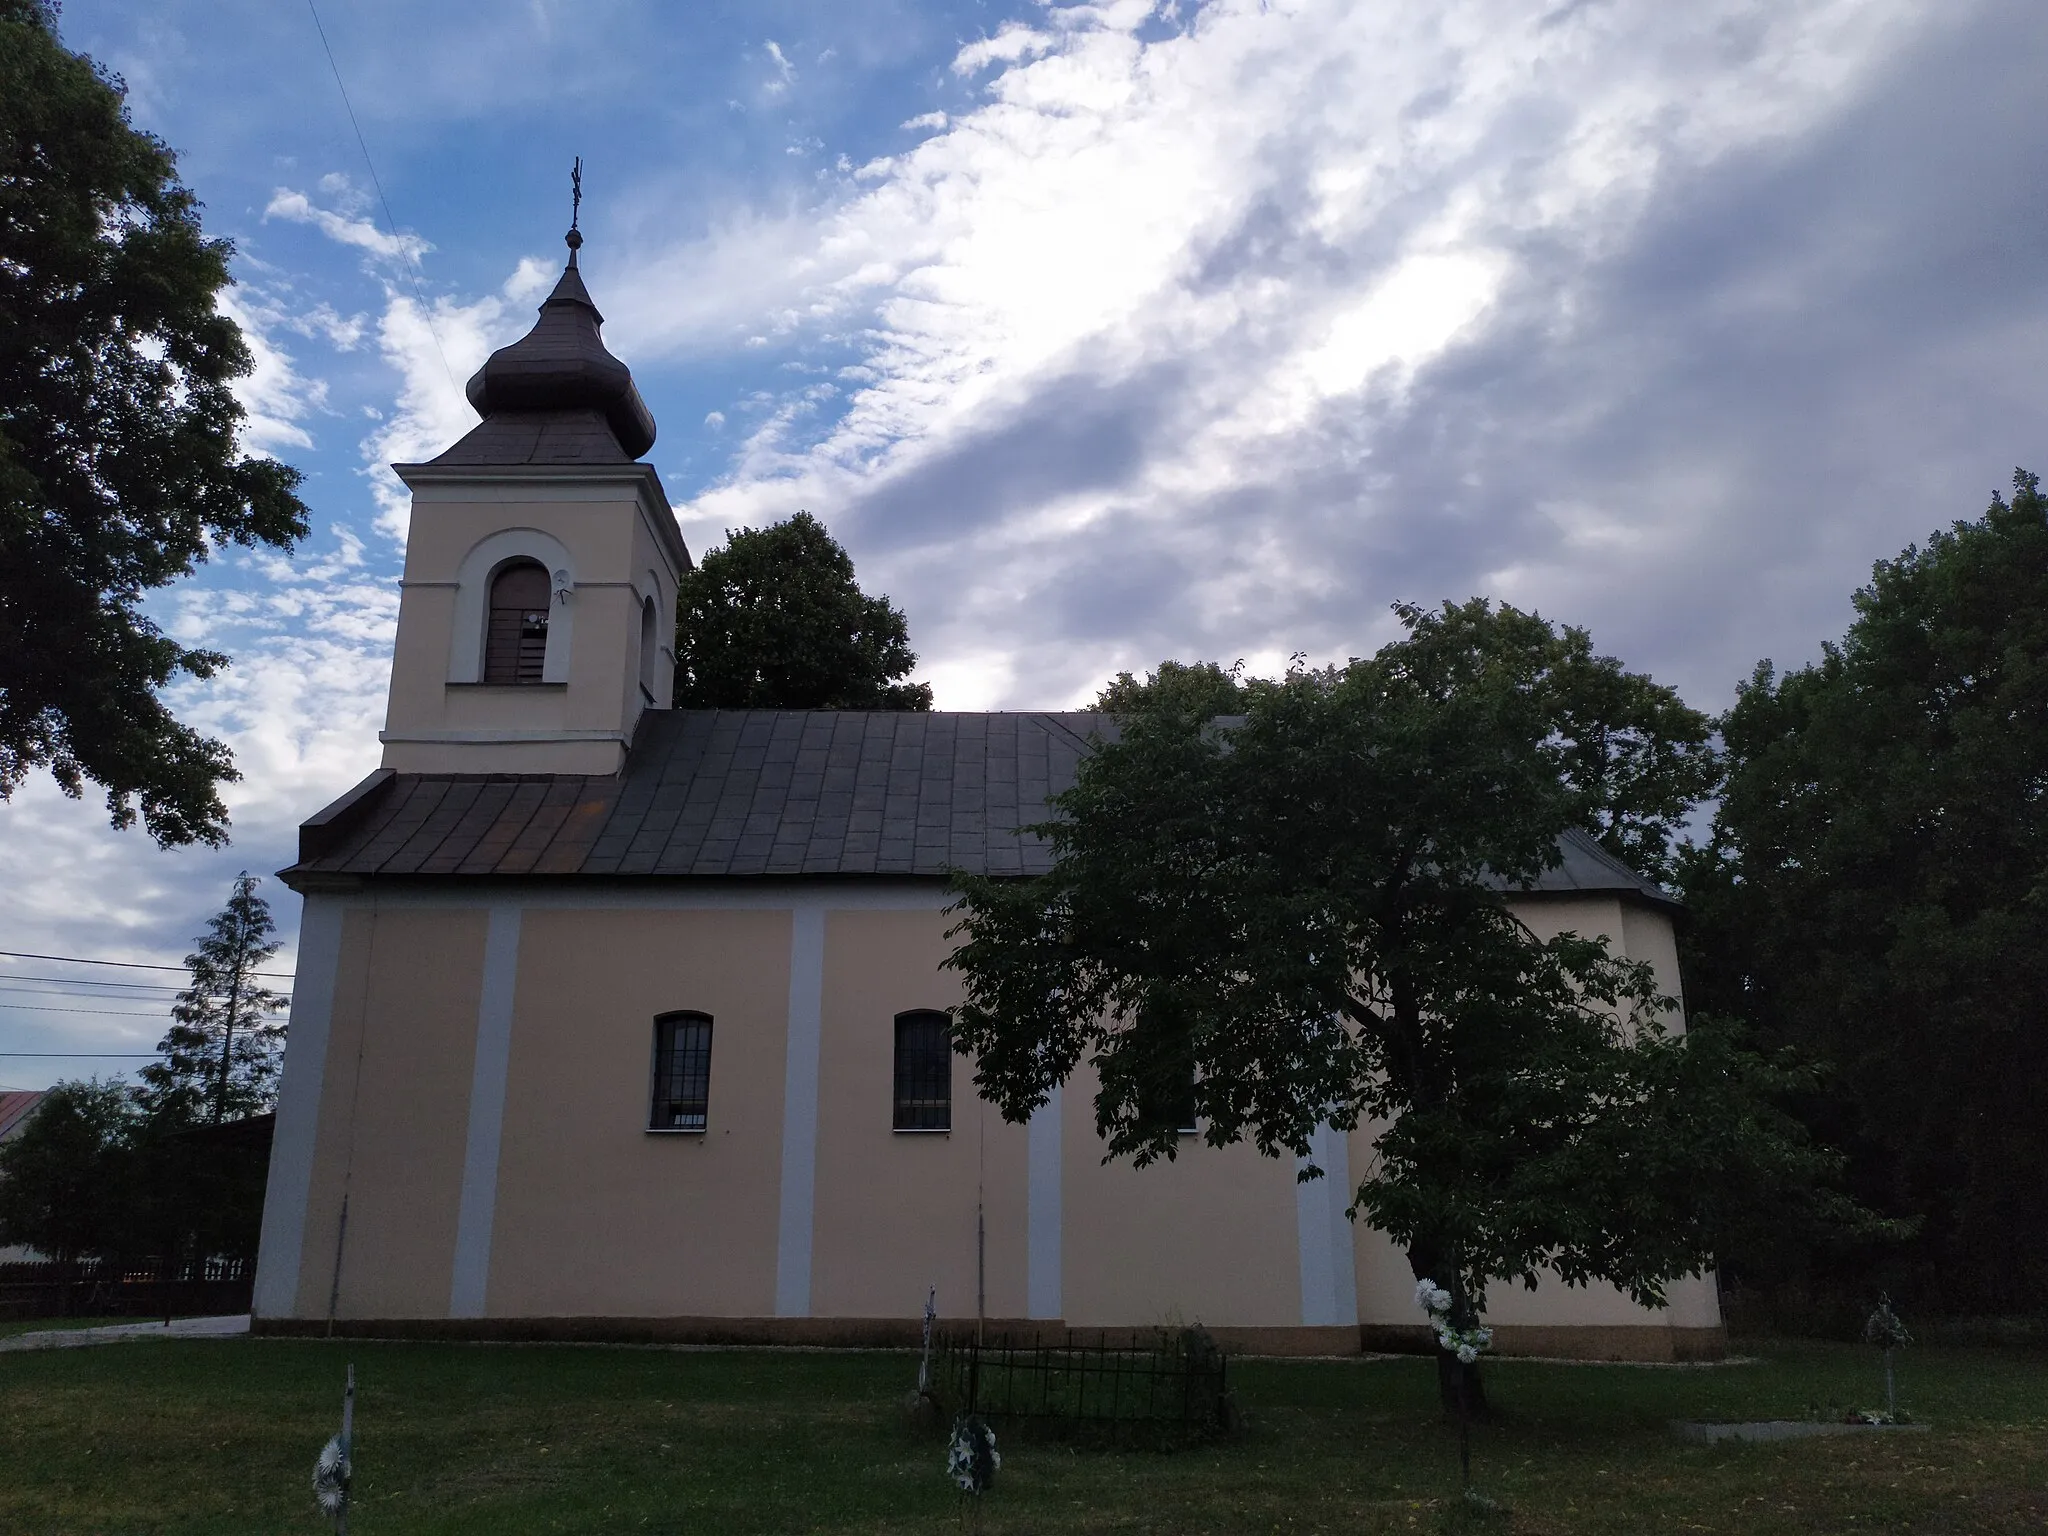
(219, 1436)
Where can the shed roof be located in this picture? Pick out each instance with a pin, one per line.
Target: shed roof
(763, 794)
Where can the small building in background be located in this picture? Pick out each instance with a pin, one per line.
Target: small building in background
(17, 1107)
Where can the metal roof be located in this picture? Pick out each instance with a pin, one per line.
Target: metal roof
(16, 1105)
(556, 395)
(719, 794)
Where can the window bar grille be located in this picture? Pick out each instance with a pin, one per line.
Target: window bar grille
(924, 1072)
(682, 1073)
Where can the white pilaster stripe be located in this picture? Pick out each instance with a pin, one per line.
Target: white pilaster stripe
(477, 1212)
(1336, 1163)
(1042, 1212)
(280, 1247)
(1329, 1284)
(800, 1113)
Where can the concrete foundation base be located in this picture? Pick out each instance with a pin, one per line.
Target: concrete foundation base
(1647, 1344)
(1582, 1343)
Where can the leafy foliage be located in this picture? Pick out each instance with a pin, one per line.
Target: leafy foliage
(775, 620)
(1304, 905)
(221, 1057)
(1874, 894)
(118, 457)
(65, 1178)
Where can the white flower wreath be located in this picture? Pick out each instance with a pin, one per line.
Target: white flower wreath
(971, 1458)
(1468, 1344)
(330, 1478)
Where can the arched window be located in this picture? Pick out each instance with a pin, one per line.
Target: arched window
(516, 643)
(924, 1071)
(682, 1072)
(650, 648)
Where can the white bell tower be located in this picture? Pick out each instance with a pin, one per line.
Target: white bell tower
(537, 612)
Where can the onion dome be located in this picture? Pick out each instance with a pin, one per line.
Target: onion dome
(556, 396)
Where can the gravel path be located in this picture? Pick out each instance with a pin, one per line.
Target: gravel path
(121, 1333)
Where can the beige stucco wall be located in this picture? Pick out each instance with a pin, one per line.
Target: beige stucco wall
(894, 1211)
(1209, 1237)
(597, 1216)
(393, 1113)
(616, 560)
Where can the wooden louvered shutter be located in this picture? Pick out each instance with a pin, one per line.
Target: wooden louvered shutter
(516, 646)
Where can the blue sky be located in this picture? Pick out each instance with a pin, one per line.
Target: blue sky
(1098, 333)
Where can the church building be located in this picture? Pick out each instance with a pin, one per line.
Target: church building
(619, 1021)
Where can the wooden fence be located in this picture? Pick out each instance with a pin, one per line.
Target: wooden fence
(216, 1286)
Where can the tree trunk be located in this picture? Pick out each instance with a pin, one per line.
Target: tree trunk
(227, 1039)
(1459, 1387)
(1448, 1371)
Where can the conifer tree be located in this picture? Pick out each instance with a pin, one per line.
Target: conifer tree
(221, 1057)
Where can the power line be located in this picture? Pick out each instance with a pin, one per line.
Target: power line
(133, 965)
(404, 254)
(87, 981)
(79, 1056)
(105, 1013)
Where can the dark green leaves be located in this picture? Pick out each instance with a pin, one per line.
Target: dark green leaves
(1299, 887)
(118, 457)
(1877, 892)
(774, 620)
(65, 1178)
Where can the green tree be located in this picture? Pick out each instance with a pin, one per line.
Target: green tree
(220, 1058)
(64, 1180)
(1876, 893)
(119, 464)
(1303, 907)
(775, 620)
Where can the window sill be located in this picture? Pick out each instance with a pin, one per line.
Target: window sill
(920, 1130)
(678, 1130)
(509, 687)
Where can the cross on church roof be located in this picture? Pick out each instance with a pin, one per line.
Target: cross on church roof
(574, 238)
(557, 396)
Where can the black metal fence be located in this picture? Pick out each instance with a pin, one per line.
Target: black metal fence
(1173, 1389)
(147, 1288)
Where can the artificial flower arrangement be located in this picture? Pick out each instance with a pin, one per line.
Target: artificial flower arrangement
(1884, 1330)
(971, 1458)
(1468, 1344)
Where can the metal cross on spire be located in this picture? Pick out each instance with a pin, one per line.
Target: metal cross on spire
(575, 238)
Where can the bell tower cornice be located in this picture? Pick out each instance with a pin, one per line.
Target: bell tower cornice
(513, 483)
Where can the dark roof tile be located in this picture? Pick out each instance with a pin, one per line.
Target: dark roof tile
(712, 793)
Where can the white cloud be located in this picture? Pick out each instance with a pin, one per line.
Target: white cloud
(300, 708)
(1247, 233)
(362, 233)
(784, 70)
(275, 396)
(1013, 43)
(434, 351)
